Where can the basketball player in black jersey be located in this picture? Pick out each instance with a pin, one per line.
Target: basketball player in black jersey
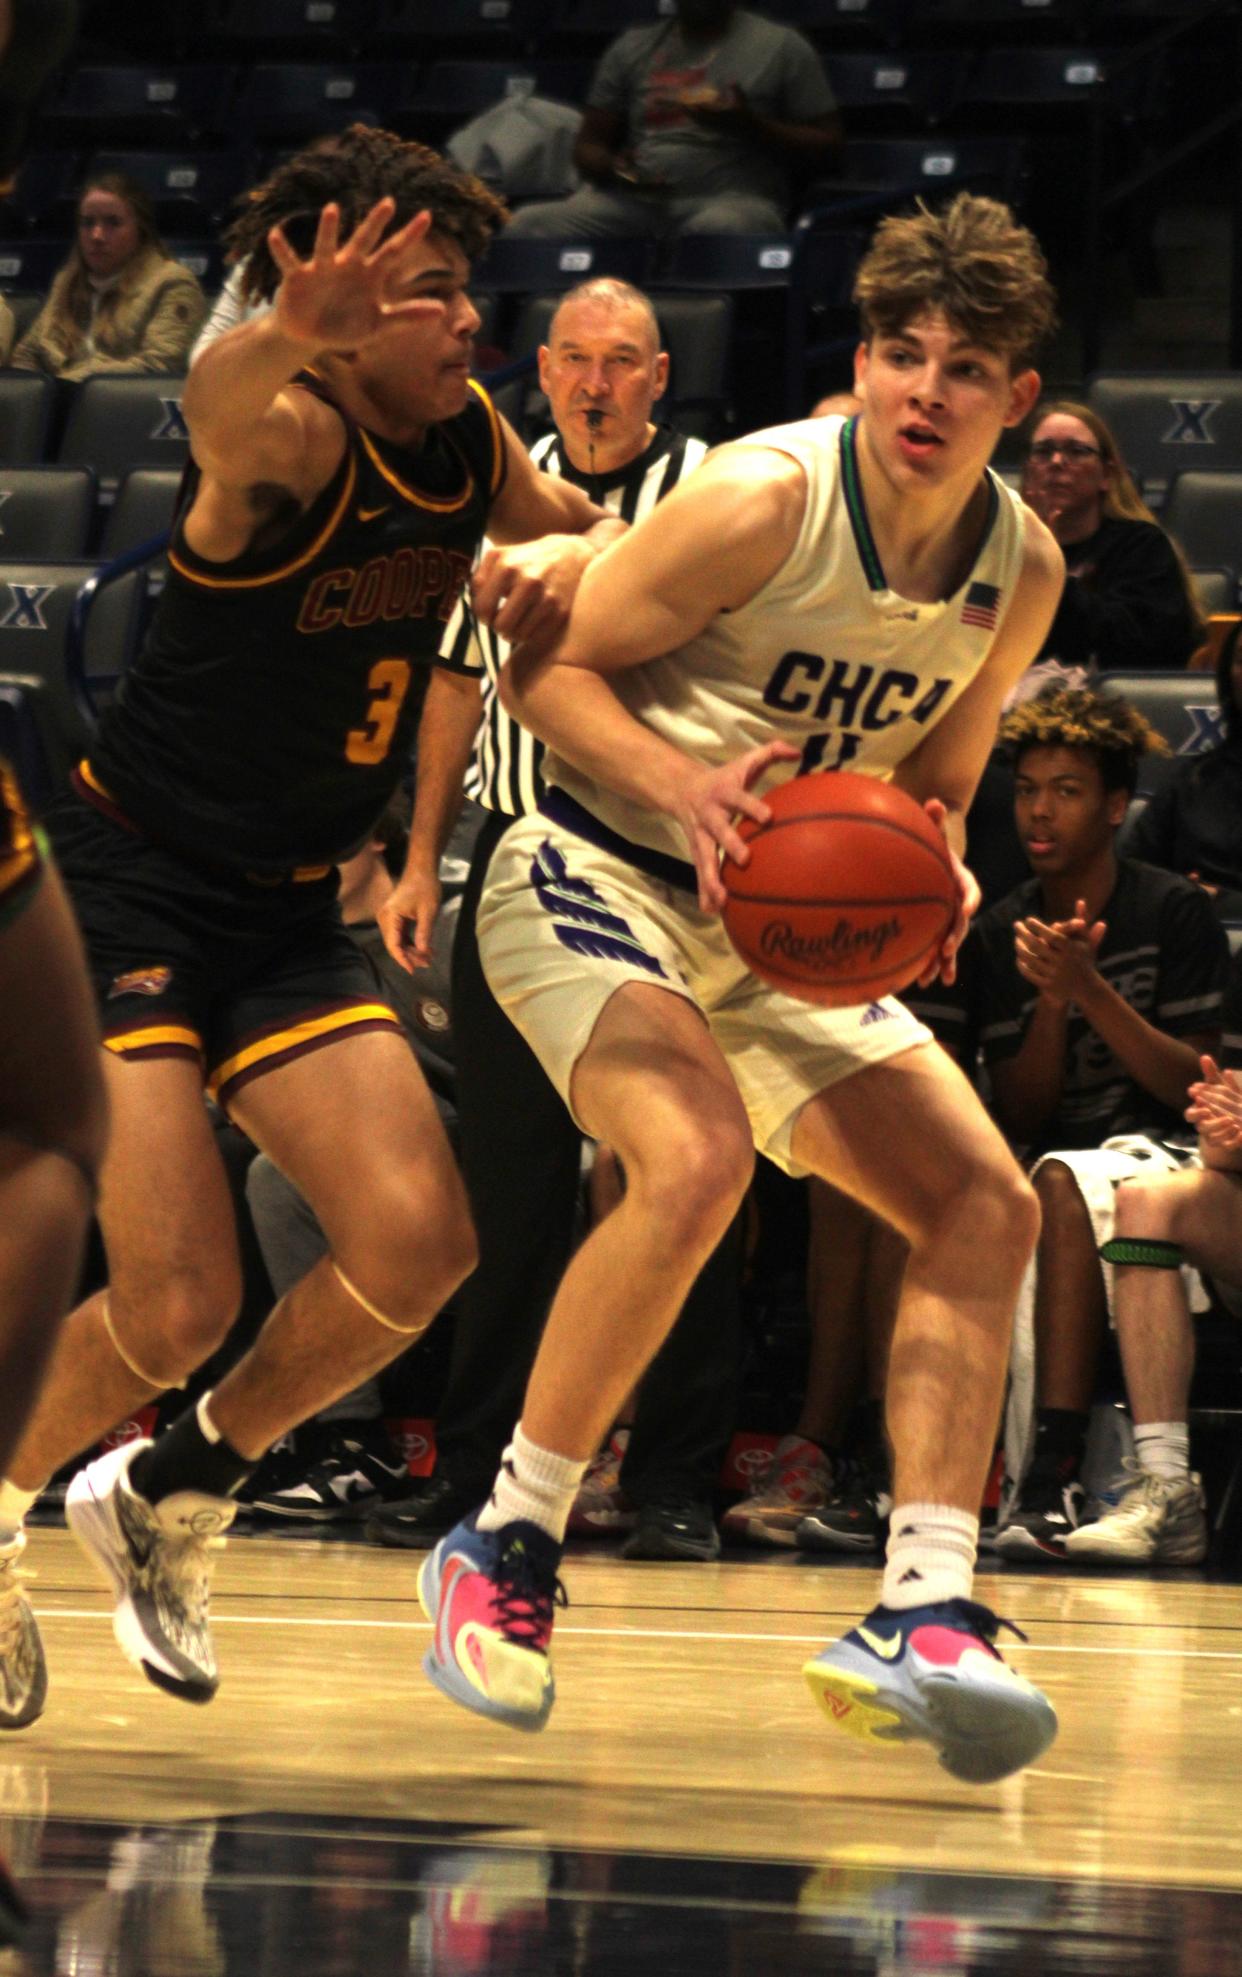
(344, 469)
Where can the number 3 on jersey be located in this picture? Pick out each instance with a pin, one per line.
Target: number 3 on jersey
(387, 682)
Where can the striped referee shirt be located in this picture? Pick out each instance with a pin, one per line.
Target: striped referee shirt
(505, 772)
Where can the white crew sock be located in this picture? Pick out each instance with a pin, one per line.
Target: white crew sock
(931, 1554)
(535, 1485)
(14, 1504)
(1163, 1449)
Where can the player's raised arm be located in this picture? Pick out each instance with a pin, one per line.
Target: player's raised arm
(244, 426)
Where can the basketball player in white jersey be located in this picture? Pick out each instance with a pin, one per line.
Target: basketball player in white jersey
(834, 593)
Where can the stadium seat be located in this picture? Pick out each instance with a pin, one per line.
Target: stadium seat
(26, 402)
(170, 104)
(724, 261)
(192, 190)
(43, 196)
(597, 22)
(895, 90)
(1005, 77)
(292, 102)
(1203, 514)
(1007, 19)
(116, 423)
(1167, 422)
(30, 740)
(36, 605)
(856, 22)
(32, 260)
(143, 509)
(472, 24)
(1181, 706)
(45, 511)
(449, 93)
(1216, 591)
(310, 28)
(514, 266)
(203, 257)
(994, 166)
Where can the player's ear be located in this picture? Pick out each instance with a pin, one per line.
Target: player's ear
(1024, 390)
(862, 357)
(544, 356)
(660, 375)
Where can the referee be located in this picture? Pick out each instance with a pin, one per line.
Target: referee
(603, 371)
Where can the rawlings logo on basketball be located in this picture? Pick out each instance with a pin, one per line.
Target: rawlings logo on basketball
(840, 949)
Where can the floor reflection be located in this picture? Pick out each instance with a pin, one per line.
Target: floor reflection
(284, 1896)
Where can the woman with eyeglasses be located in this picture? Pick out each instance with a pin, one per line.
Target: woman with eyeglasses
(1128, 600)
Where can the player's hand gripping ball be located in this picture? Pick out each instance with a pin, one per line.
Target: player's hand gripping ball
(848, 893)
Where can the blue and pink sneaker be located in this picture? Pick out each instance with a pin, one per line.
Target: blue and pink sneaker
(933, 1672)
(490, 1596)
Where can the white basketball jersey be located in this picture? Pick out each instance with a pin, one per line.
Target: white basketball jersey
(825, 656)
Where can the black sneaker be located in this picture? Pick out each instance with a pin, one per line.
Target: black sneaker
(424, 1514)
(855, 1517)
(1047, 1507)
(287, 1461)
(360, 1467)
(675, 1525)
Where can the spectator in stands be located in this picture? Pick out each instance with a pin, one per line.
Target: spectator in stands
(1128, 600)
(697, 123)
(120, 303)
(604, 373)
(1193, 822)
(1100, 982)
(1164, 1223)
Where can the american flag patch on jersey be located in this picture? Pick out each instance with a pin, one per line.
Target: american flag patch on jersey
(982, 606)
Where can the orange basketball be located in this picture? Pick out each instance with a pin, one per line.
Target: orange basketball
(848, 892)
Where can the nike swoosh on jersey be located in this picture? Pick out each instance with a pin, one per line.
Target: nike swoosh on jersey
(888, 1650)
(370, 514)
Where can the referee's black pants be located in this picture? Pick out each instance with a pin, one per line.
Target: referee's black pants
(521, 1154)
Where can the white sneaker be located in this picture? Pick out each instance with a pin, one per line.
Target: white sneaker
(23, 1670)
(1160, 1520)
(157, 1559)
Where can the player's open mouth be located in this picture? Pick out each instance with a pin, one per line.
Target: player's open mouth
(918, 441)
(1039, 847)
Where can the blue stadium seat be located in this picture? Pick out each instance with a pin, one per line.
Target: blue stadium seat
(467, 24)
(203, 257)
(44, 194)
(594, 23)
(895, 90)
(314, 29)
(1168, 422)
(726, 261)
(1056, 80)
(143, 509)
(36, 605)
(514, 266)
(448, 93)
(116, 423)
(1203, 514)
(31, 260)
(171, 104)
(24, 305)
(994, 166)
(281, 102)
(27, 399)
(45, 511)
(192, 190)
(1180, 705)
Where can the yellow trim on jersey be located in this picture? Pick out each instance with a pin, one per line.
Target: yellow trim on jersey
(411, 494)
(157, 1033)
(498, 446)
(280, 1040)
(286, 569)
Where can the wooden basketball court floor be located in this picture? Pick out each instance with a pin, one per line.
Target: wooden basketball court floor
(331, 1815)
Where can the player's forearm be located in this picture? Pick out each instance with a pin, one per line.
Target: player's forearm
(446, 735)
(576, 712)
(1164, 1065)
(236, 380)
(1028, 1087)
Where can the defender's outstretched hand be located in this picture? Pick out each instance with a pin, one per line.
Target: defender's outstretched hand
(344, 295)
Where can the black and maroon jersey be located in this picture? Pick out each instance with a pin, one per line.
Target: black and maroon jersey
(269, 716)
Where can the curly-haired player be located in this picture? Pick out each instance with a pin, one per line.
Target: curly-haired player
(857, 591)
(344, 469)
